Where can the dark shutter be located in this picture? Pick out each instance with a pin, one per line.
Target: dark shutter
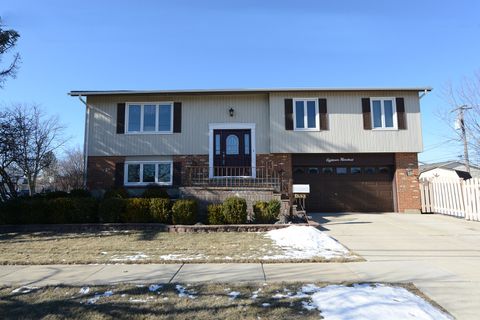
(177, 117)
(288, 114)
(120, 117)
(322, 110)
(177, 174)
(367, 118)
(401, 117)
(119, 171)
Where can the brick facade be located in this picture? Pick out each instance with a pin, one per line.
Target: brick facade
(101, 172)
(406, 183)
(281, 162)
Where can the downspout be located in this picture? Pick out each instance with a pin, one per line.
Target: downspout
(85, 140)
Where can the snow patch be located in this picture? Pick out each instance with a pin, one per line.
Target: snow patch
(154, 287)
(84, 290)
(305, 242)
(172, 256)
(135, 257)
(183, 292)
(366, 301)
(233, 295)
(24, 289)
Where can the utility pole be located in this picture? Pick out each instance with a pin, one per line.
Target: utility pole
(461, 119)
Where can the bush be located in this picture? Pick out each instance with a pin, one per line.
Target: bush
(71, 210)
(215, 214)
(116, 192)
(56, 194)
(80, 193)
(156, 192)
(137, 210)
(266, 212)
(111, 210)
(160, 210)
(235, 210)
(184, 212)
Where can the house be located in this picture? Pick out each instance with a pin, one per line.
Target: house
(448, 169)
(356, 147)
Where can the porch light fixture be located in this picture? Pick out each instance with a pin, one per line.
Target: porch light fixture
(231, 112)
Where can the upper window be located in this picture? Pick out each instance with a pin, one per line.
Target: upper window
(306, 114)
(143, 173)
(149, 117)
(384, 115)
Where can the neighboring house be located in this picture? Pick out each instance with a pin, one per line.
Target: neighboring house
(357, 148)
(448, 169)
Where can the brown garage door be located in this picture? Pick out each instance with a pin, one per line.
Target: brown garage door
(360, 183)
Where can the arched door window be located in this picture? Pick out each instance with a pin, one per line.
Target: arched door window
(232, 144)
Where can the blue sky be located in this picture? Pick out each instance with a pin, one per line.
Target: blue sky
(97, 45)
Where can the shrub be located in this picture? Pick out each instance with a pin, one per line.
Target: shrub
(266, 212)
(160, 210)
(80, 193)
(215, 214)
(111, 210)
(137, 210)
(56, 194)
(71, 210)
(116, 192)
(235, 210)
(156, 192)
(184, 212)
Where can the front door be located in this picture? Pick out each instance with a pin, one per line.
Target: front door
(232, 152)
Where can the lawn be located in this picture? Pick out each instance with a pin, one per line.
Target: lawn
(148, 246)
(218, 301)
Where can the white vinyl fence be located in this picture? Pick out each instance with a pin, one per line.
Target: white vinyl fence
(455, 197)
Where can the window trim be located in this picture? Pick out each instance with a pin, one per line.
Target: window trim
(382, 107)
(141, 183)
(305, 115)
(142, 107)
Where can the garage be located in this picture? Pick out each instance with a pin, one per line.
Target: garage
(346, 182)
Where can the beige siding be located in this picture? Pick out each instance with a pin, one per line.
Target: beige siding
(197, 112)
(346, 133)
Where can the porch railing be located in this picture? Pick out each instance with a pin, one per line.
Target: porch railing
(265, 177)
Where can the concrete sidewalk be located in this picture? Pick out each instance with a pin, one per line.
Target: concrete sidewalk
(440, 255)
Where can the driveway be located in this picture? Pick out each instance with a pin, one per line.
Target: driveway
(439, 254)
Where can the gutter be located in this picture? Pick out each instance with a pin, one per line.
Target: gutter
(85, 140)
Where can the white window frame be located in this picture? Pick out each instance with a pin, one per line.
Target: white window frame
(305, 115)
(141, 183)
(142, 107)
(382, 108)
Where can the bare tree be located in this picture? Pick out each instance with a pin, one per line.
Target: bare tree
(466, 96)
(8, 39)
(69, 173)
(37, 139)
(8, 134)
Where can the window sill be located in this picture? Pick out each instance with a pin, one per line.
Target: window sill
(384, 129)
(307, 129)
(145, 184)
(148, 133)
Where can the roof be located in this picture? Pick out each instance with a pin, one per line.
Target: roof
(463, 174)
(230, 91)
(451, 165)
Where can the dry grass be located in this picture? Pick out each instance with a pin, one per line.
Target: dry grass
(131, 302)
(134, 246)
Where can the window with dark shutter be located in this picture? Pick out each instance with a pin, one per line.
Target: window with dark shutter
(177, 117)
(120, 118)
(367, 120)
(288, 114)
(401, 116)
(322, 110)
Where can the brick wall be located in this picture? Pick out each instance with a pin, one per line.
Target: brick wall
(101, 172)
(185, 162)
(406, 182)
(281, 162)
